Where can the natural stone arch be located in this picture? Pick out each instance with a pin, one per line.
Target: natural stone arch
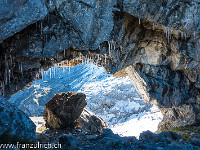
(171, 58)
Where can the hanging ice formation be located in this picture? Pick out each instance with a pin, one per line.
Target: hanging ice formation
(50, 73)
(153, 25)
(105, 59)
(69, 66)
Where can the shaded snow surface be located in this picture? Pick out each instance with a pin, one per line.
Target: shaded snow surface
(113, 99)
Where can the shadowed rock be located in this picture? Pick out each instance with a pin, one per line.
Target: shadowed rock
(63, 110)
(15, 126)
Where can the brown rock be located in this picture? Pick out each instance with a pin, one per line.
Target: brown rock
(63, 110)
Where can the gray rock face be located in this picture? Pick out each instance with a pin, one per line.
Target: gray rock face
(159, 40)
(179, 15)
(15, 126)
(161, 72)
(91, 123)
(16, 15)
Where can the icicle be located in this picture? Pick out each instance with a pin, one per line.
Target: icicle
(9, 75)
(64, 53)
(105, 59)
(11, 59)
(176, 32)
(109, 47)
(63, 68)
(21, 69)
(37, 75)
(42, 72)
(165, 30)
(50, 73)
(153, 25)
(114, 45)
(121, 48)
(86, 59)
(69, 66)
(54, 70)
(181, 35)
(14, 62)
(194, 33)
(82, 59)
(139, 20)
(185, 35)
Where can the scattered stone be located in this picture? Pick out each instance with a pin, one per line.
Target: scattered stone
(69, 141)
(78, 139)
(92, 137)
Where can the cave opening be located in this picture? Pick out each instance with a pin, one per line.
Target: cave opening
(157, 43)
(111, 97)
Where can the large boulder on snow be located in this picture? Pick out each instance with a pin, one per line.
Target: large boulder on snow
(91, 123)
(63, 110)
(15, 126)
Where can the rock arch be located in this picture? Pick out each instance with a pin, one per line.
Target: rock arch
(156, 41)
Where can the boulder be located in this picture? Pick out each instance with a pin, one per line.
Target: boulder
(15, 126)
(91, 123)
(63, 110)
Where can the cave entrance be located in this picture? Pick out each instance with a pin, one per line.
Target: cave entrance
(111, 97)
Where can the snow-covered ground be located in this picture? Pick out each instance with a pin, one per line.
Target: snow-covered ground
(113, 99)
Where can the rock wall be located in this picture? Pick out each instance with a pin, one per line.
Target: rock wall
(157, 40)
(15, 126)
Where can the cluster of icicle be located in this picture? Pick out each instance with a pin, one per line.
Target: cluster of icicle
(90, 58)
(9, 62)
(169, 32)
